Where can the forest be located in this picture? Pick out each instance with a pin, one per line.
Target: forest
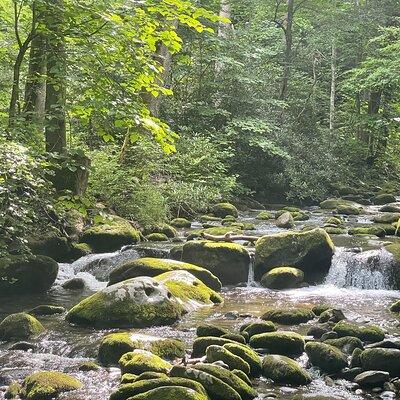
(221, 176)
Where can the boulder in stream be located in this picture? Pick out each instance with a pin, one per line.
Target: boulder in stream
(310, 251)
(134, 303)
(381, 359)
(288, 316)
(367, 333)
(247, 354)
(281, 342)
(224, 209)
(285, 221)
(282, 278)
(19, 326)
(327, 358)
(139, 361)
(383, 198)
(216, 353)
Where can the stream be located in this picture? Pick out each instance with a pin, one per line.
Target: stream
(358, 283)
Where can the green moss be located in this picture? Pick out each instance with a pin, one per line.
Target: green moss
(45, 385)
(51, 245)
(395, 307)
(168, 348)
(170, 392)
(387, 218)
(264, 216)
(210, 218)
(217, 353)
(346, 344)
(310, 251)
(79, 250)
(114, 346)
(47, 310)
(210, 330)
(320, 308)
(166, 229)
(383, 198)
(126, 304)
(282, 278)
(255, 328)
(335, 231)
(19, 326)
(228, 261)
(381, 360)
(370, 230)
(300, 216)
(283, 370)
(88, 366)
(289, 316)
(332, 204)
(181, 223)
(327, 358)
(111, 235)
(151, 375)
(283, 343)
(348, 209)
(248, 355)
(395, 250)
(200, 344)
(367, 333)
(155, 266)
(13, 390)
(157, 237)
(336, 221)
(236, 337)
(128, 378)
(221, 230)
(139, 361)
(242, 376)
(26, 274)
(223, 209)
(229, 218)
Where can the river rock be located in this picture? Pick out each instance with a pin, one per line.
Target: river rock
(289, 316)
(367, 333)
(327, 358)
(74, 284)
(310, 251)
(47, 310)
(370, 230)
(318, 330)
(335, 204)
(381, 359)
(281, 342)
(228, 261)
(395, 307)
(154, 266)
(166, 229)
(181, 223)
(170, 392)
(19, 326)
(222, 210)
(139, 361)
(248, 355)
(210, 330)
(387, 218)
(200, 344)
(218, 353)
(56, 247)
(47, 385)
(263, 216)
(346, 344)
(372, 378)
(157, 237)
(391, 208)
(134, 303)
(282, 278)
(383, 198)
(110, 235)
(26, 274)
(331, 315)
(283, 370)
(255, 328)
(285, 221)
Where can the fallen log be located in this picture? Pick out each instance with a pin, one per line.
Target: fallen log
(230, 237)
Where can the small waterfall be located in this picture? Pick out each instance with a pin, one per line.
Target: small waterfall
(250, 279)
(373, 269)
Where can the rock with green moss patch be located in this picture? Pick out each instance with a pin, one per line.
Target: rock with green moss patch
(248, 355)
(395, 307)
(223, 209)
(348, 209)
(383, 198)
(74, 284)
(335, 221)
(218, 353)
(318, 309)
(285, 221)
(46, 309)
(166, 348)
(166, 229)
(51, 245)
(134, 303)
(391, 208)
(157, 237)
(335, 230)
(87, 366)
(327, 358)
(370, 230)
(381, 359)
(210, 218)
(310, 251)
(45, 385)
(255, 328)
(342, 204)
(181, 223)
(130, 378)
(346, 344)
(155, 266)
(144, 376)
(229, 218)
(190, 291)
(13, 390)
(200, 344)
(139, 361)
(79, 250)
(386, 218)
(283, 370)
(236, 337)
(210, 330)
(282, 278)
(394, 249)
(170, 392)
(110, 235)
(228, 261)
(264, 216)
(288, 316)
(366, 333)
(27, 274)
(114, 346)
(19, 326)
(281, 342)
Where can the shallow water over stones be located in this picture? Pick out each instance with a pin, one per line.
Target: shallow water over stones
(363, 297)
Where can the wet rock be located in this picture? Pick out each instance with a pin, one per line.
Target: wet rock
(218, 353)
(181, 223)
(228, 261)
(387, 218)
(346, 344)
(285, 221)
(283, 370)
(334, 203)
(255, 328)
(74, 284)
(381, 359)
(383, 198)
(46, 309)
(222, 210)
(310, 251)
(289, 316)
(170, 392)
(327, 358)
(26, 274)
(232, 315)
(371, 230)
(200, 344)
(372, 378)
(110, 235)
(318, 309)
(391, 208)
(386, 344)
(139, 361)
(19, 326)
(88, 366)
(329, 335)
(248, 355)
(283, 343)
(264, 216)
(235, 337)
(282, 278)
(349, 373)
(48, 384)
(210, 330)
(317, 331)
(165, 229)
(114, 346)
(136, 303)
(157, 237)
(331, 315)
(155, 266)
(395, 307)
(367, 333)
(355, 360)
(50, 245)
(348, 209)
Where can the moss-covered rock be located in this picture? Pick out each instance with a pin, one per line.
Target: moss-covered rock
(169, 349)
(335, 230)
(383, 198)
(333, 315)
(282, 278)
(136, 303)
(285, 221)
(283, 370)
(166, 229)
(87, 366)
(348, 209)
(139, 361)
(248, 355)
(210, 330)
(394, 249)
(382, 360)
(74, 284)
(391, 208)
(288, 316)
(223, 209)
(327, 358)
(45, 385)
(346, 344)
(367, 333)
(26, 274)
(318, 309)
(51, 245)
(110, 235)
(395, 307)
(157, 237)
(370, 230)
(335, 221)
(79, 250)
(114, 346)
(228, 261)
(264, 216)
(255, 328)
(242, 376)
(386, 218)
(155, 266)
(181, 223)
(170, 392)
(283, 343)
(236, 337)
(218, 353)
(200, 344)
(310, 251)
(13, 390)
(190, 291)
(47, 310)
(342, 205)
(210, 218)
(19, 326)
(229, 218)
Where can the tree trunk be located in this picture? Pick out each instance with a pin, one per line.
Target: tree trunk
(332, 108)
(288, 29)
(55, 131)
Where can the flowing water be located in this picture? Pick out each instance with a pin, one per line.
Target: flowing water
(360, 282)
